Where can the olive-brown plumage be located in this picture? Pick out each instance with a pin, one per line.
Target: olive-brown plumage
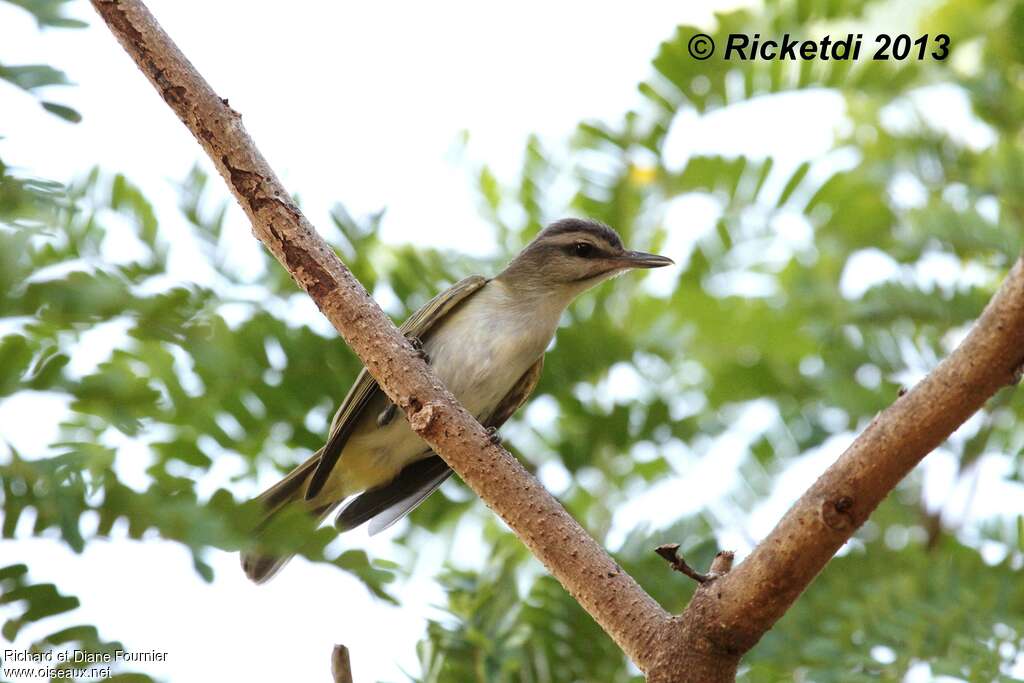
(485, 339)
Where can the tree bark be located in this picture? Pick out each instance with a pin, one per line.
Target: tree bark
(728, 613)
(341, 665)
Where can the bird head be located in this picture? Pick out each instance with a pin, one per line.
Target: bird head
(572, 255)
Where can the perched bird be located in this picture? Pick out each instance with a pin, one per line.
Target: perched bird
(485, 339)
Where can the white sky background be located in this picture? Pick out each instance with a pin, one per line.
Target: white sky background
(363, 105)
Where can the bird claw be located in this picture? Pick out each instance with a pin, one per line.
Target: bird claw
(387, 415)
(417, 345)
(493, 436)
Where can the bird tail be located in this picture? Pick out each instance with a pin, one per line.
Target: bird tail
(261, 567)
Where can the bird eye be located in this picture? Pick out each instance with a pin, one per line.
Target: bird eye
(583, 249)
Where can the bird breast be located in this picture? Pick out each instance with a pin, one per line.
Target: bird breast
(479, 350)
(485, 346)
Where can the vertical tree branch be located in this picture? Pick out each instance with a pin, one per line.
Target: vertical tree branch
(630, 616)
(341, 665)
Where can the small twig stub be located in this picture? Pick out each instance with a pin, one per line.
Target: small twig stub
(341, 665)
(719, 566)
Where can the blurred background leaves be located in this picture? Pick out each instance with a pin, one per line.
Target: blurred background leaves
(817, 291)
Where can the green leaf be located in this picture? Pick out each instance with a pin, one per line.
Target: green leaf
(49, 13)
(63, 111)
(32, 76)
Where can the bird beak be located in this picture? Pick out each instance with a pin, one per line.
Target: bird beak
(638, 259)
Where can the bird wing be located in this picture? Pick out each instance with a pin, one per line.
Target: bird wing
(387, 504)
(419, 324)
(415, 482)
(516, 396)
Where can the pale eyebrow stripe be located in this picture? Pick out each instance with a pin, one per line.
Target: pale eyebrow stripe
(567, 239)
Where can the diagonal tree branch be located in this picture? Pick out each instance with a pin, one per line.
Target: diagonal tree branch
(761, 589)
(730, 611)
(630, 616)
(728, 616)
